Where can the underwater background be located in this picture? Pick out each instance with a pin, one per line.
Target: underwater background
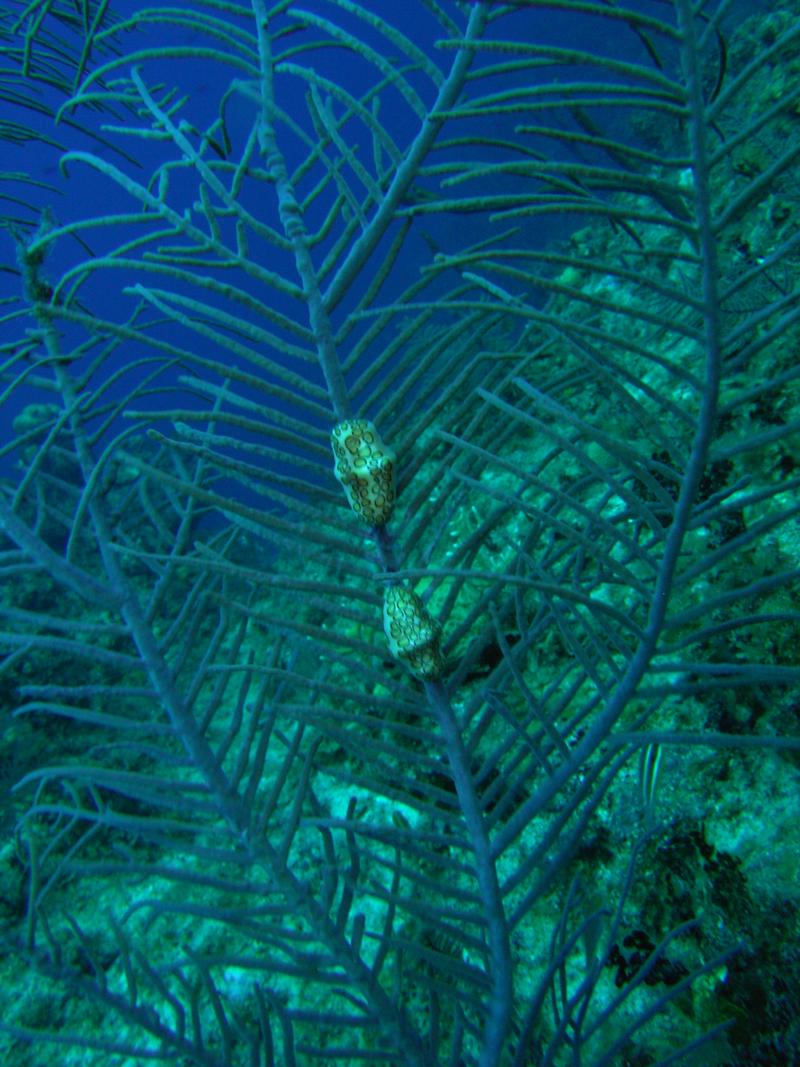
(400, 533)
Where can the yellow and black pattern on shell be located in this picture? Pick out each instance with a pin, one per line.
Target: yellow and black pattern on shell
(365, 467)
(412, 632)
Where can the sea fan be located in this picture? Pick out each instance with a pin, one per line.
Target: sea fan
(248, 828)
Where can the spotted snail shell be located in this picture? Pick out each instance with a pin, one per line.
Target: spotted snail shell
(412, 632)
(365, 467)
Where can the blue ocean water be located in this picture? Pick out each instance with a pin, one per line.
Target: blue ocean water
(77, 191)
